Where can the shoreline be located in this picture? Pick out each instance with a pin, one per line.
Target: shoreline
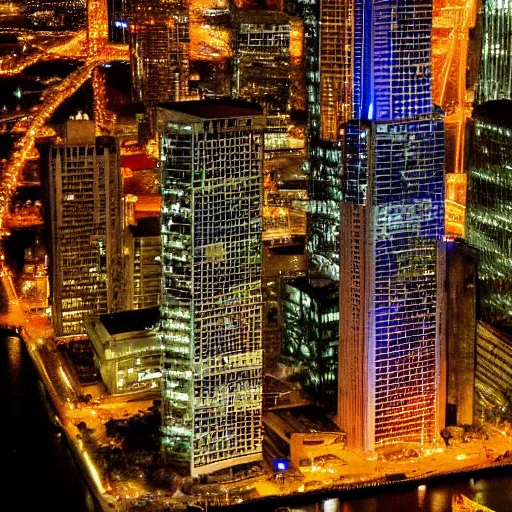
(348, 490)
(55, 403)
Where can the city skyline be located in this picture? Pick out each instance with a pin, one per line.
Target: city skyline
(250, 220)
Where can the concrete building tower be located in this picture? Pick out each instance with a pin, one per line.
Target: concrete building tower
(159, 50)
(86, 263)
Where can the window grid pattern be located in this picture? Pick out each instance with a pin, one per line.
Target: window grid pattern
(335, 66)
(159, 50)
(212, 328)
(86, 204)
(495, 76)
(489, 221)
(407, 195)
(392, 59)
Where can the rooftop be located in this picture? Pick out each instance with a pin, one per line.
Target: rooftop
(131, 320)
(495, 111)
(215, 108)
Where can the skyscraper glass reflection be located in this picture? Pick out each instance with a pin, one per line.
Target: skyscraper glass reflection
(392, 221)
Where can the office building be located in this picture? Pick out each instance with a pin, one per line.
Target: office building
(461, 327)
(211, 178)
(495, 79)
(85, 223)
(262, 68)
(144, 279)
(328, 70)
(391, 387)
(117, 21)
(97, 26)
(310, 328)
(127, 349)
(488, 219)
(493, 375)
(159, 50)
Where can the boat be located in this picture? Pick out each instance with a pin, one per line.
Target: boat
(461, 503)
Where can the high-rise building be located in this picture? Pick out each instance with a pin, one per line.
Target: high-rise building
(159, 50)
(97, 26)
(211, 178)
(117, 23)
(328, 70)
(262, 68)
(488, 218)
(144, 271)
(392, 220)
(495, 79)
(85, 223)
(461, 328)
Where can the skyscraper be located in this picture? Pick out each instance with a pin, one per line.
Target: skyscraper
(86, 266)
(97, 26)
(159, 50)
(262, 68)
(327, 63)
(490, 164)
(488, 219)
(392, 223)
(211, 158)
(495, 78)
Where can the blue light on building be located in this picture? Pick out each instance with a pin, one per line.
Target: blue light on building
(392, 220)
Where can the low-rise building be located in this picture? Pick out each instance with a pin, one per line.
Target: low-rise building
(127, 349)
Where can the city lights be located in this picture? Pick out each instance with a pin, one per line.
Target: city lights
(262, 250)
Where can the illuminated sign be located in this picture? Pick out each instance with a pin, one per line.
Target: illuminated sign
(281, 465)
(121, 24)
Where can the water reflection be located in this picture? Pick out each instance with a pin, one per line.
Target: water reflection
(41, 470)
(493, 491)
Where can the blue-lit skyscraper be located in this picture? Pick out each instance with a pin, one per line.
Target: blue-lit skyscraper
(391, 227)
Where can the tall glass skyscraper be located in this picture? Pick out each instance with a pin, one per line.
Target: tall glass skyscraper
(495, 73)
(159, 50)
(211, 161)
(392, 219)
(489, 217)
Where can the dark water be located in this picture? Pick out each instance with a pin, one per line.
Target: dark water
(40, 472)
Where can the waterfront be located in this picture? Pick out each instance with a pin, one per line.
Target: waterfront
(40, 470)
(43, 476)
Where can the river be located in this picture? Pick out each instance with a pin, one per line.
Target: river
(39, 471)
(41, 475)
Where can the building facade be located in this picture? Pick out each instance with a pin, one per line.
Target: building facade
(262, 68)
(391, 272)
(488, 218)
(159, 50)
(144, 277)
(495, 79)
(461, 327)
(127, 349)
(86, 263)
(211, 157)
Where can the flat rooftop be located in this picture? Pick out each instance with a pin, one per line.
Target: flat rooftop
(131, 320)
(215, 108)
(303, 419)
